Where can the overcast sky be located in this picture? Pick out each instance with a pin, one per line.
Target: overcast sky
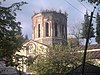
(75, 16)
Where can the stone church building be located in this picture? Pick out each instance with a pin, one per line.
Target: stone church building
(49, 28)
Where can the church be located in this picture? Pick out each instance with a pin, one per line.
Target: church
(49, 28)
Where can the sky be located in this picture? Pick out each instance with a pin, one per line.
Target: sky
(75, 12)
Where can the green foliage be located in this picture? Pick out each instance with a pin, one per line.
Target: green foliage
(85, 27)
(93, 1)
(98, 28)
(18, 59)
(10, 31)
(59, 60)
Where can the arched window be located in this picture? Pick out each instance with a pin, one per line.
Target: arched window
(47, 29)
(62, 30)
(56, 29)
(38, 30)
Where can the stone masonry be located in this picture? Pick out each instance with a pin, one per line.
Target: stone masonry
(49, 27)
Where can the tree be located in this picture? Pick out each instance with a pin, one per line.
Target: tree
(93, 1)
(10, 31)
(59, 60)
(98, 28)
(85, 27)
(76, 39)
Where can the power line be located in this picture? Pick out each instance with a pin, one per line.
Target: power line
(74, 7)
(77, 9)
(84, 6)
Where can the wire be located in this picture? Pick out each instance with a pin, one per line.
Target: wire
(74, 7)
(84, 6)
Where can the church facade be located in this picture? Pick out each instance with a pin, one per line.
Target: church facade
(49, 28)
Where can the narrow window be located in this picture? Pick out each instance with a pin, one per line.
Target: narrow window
(62, 30)
(47, 29)
(55, 29)
(38, 30)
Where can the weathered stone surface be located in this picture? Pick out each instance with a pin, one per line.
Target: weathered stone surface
(51, 18)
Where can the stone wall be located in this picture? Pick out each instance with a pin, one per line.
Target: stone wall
(51, 18)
